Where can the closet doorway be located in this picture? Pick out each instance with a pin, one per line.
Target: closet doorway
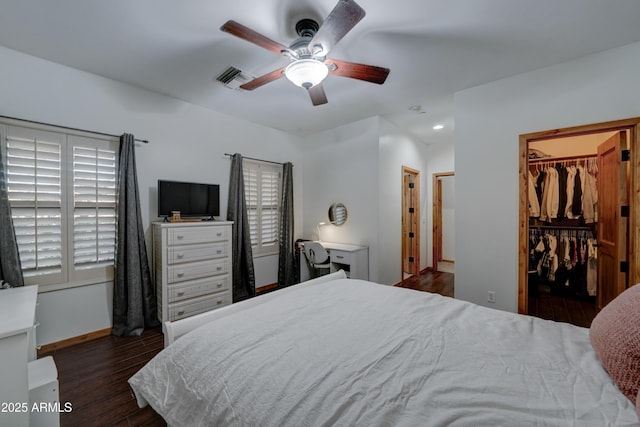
(443, 222)
(565, 245)
(410, 222)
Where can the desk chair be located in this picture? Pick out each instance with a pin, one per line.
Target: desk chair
(317, 256)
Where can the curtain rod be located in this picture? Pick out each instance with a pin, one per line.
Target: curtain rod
(259, 160)
(70, 128)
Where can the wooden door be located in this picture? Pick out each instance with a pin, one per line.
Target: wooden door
(438, 230)
(613, 219)
(410, 221)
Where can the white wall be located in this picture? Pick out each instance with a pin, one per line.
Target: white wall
(397, 149)
(360, 164)
(340, 165)
(187, 143)
(489, 119)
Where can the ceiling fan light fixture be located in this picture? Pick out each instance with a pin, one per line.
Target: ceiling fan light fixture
(306, 73)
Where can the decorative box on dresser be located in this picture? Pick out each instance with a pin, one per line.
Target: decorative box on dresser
(192, 267)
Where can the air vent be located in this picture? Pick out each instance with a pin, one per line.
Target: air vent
(233, 77)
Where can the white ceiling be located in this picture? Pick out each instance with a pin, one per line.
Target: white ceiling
(433, 48)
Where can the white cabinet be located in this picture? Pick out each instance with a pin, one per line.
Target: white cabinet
(17, 316)
(192, 267)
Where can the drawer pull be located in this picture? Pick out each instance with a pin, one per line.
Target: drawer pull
(181, 312)
(219, 302)
(219, 268)
(219, 234)
(339, 257)
(219, 251)
(179, 236)
(180, 294)
(180, 256)
(180, 274)
(219, 284)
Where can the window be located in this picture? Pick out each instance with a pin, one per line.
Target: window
(262, 189)
(62, 191)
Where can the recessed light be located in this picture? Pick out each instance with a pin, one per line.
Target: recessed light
(438, 127)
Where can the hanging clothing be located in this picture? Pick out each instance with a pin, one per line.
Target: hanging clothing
(549, 208)
(562, 193)
(540, 186)
(576, 203)
(571, 179)
(534, 205)
(590, 199)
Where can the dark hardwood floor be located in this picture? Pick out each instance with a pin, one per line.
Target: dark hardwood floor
(436, 282)
(562, 308)
(93, 378)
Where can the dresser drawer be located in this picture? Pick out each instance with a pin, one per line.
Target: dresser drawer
(193, 235)
(182, 309)
(179, 254)
(195, 288)
(341, 257)
(196, 270)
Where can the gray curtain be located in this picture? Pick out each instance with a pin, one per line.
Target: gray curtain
(286, 260)
(10, 268)
(244, 282)
(134, 300)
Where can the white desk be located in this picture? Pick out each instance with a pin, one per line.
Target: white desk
(353, 259)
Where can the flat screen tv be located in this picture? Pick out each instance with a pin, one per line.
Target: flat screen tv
(190, 198)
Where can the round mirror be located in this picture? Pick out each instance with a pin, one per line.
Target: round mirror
(337, 214)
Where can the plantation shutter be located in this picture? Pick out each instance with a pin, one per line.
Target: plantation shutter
(62, 190)
(251, 199)
(270, 203)
(262, 186)
(34, 186)
(94, 206)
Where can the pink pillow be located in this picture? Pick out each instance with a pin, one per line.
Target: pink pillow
(615, 336)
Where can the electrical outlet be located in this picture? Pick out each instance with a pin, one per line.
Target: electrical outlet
(492, 297)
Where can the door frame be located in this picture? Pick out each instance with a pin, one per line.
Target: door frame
(437, 216)
(633, 126)
(416, 215)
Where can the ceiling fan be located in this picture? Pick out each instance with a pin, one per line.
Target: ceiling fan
(309, 65)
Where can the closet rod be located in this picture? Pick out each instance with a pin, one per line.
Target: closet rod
(560, 159)
(560, 227)
(70, 128)
(258, 160)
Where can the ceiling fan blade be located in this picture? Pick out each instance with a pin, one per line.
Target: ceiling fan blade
(263, 80)
(369, 73)
(344, 16)
(245, 33)
(318, 97)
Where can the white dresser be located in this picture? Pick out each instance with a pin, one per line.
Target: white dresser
(192, 267)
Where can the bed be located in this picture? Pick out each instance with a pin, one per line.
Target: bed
(345, 352)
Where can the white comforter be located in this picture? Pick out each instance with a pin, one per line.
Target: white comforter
(353, 353)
